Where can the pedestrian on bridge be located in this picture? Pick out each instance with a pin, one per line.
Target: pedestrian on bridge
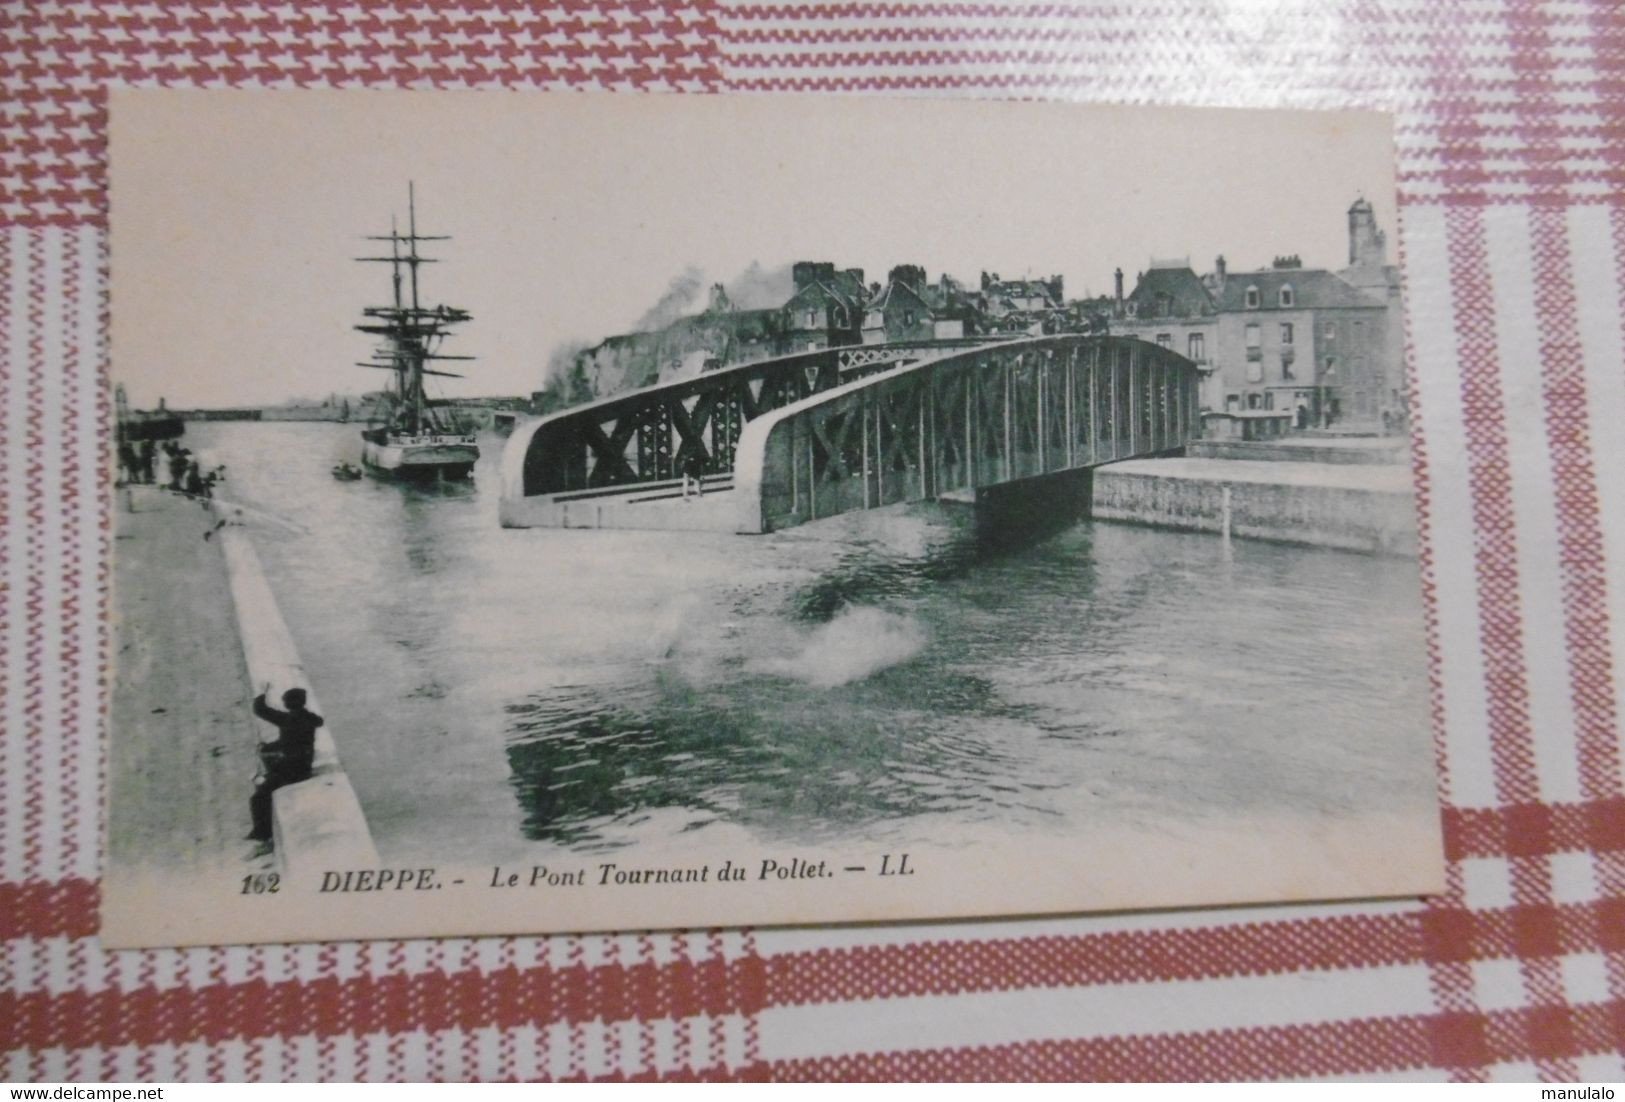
(693, 476)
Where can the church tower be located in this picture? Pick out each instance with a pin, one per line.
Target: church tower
(1368, 246)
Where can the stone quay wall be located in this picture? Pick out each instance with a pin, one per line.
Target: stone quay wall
(1351, 507)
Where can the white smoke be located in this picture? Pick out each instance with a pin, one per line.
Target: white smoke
(681, 294)
(561, 359)
(856, 644)
(757, 288)
(672, 624)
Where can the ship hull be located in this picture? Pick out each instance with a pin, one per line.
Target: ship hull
(428, 458)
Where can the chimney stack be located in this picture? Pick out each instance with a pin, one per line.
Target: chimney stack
(1119, 278)
(1218, 266)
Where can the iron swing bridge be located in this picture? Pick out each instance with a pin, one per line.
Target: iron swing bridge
(798, 438)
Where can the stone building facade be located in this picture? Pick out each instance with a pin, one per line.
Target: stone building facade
(901, 312)
(827, 308)
(1324, 346)
(1172, 307)
(1291, 336)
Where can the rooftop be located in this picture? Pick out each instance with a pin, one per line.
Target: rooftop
(1312, 288)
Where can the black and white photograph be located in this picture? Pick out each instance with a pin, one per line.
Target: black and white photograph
(579, 512)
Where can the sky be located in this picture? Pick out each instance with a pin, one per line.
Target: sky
(237, 215)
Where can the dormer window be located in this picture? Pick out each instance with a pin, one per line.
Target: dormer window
(1286, 295)
(1252, 298)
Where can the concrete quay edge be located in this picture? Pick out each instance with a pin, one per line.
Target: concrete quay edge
(1358, 451)
(318, 824)
(1366, 477)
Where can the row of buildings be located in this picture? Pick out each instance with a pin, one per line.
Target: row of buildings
(1326, 346)
(825, 306)
(1323, 346)
(832, 307)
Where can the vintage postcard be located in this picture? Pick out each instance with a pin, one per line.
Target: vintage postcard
(545, 513)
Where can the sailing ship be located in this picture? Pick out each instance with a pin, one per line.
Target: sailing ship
(410, 436)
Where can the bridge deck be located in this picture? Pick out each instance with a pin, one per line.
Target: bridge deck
(717, 510)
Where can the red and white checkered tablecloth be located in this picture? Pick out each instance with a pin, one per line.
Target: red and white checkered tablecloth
(1511, 167)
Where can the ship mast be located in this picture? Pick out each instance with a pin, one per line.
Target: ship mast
(415, 406)
(411, 334)
(401, 365)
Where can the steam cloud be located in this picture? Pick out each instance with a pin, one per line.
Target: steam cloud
(678, 300)
(757, 288)
(858, 643)
(562, 357)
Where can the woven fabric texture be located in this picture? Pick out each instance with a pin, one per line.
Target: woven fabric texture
(1512, 178)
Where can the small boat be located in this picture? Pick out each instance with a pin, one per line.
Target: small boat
(410, 436)
(347, 471)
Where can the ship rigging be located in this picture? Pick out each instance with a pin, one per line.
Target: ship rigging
(413, 438)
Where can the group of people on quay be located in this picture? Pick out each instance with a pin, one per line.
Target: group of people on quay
(183, 473)
(288, 758)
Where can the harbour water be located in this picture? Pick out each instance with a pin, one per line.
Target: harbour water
(499, 694)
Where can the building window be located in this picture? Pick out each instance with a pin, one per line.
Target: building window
(1253, 338)
(1165, 340)
(1331, 331)
(1195, 347)
(1252, 298)
(1286, 295)
(1286, 332)
(1287, 374)
(908, 317)
(812, 319)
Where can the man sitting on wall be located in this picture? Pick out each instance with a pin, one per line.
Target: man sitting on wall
(284, 760)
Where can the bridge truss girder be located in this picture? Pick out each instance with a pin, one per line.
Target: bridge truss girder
(965, 421)
(658, 432)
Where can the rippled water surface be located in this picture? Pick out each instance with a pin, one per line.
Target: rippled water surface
(493, 691)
